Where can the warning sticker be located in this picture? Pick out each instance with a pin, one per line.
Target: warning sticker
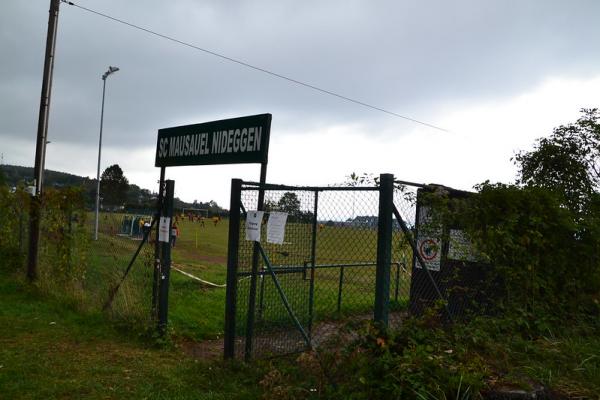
(428, 249)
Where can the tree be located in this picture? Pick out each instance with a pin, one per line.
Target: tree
(289, 203)
(114, 186)
(568, 161)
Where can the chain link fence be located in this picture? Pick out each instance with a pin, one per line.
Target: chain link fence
(323, 275)
(14, 229)
(75, 268)
(115, 280)
(289, 296)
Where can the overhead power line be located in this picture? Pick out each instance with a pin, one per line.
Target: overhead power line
(254, 67)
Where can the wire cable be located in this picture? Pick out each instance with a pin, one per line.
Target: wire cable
(254, 67)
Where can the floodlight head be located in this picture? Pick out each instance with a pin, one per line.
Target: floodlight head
(111, 70)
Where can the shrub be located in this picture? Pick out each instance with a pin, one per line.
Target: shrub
(545, 254)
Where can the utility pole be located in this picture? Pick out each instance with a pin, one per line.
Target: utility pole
(42, 137)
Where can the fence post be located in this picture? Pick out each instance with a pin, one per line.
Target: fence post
(384, 248)
(232, 264)
(165, 264)
(313, 263)
(341, 283)
(156, 274)
(255, 266)
(34, 237)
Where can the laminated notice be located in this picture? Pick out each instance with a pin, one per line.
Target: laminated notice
(164, 227)
(253, 225)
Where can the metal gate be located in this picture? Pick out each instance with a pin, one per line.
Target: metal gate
(347, 255)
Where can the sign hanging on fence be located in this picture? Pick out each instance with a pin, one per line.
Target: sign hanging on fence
(253, 225)
(276, 227)
(164, 227)
(460, 247)
(429, 244)
(230, 141)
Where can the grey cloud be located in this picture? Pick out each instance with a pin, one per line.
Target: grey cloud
(408, 57)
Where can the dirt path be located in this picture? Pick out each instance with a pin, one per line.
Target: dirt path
(324, 333)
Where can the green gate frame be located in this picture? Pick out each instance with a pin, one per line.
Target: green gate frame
(383, 264)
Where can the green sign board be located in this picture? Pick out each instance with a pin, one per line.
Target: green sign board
(230, 141)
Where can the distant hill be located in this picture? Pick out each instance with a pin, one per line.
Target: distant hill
(15, 175)
(137, 198)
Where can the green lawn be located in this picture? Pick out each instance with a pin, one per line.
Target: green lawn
(49, 351)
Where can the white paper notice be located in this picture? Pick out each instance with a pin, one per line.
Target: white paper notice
(276, 227)
(253, 224)
(163, 229)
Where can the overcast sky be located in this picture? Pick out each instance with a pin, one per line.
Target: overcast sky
(495, 74)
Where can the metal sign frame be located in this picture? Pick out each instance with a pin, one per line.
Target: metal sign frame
(241, 140)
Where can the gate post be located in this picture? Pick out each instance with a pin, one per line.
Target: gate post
(165, 264)
(384, 248)
(156, 274)
(232, 264)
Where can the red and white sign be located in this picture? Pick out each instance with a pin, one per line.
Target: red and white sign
(429, 244)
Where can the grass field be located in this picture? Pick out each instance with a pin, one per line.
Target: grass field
(49, 351)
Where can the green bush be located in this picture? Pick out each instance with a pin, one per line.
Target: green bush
(545, 255)
(13, 228)
(64, 239)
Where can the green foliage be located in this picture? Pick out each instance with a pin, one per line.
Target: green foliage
(289, 203)
(113, 186)
(541, 254)
(418, 361)
(567, 162)
(14, 219)
(64, 240)
(545, 254)
(428, 359)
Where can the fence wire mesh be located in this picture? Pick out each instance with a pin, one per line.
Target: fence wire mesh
(272, 331)
(72, 266)
(14, 228)
(326, 267)
(90, 271)
(402, 253)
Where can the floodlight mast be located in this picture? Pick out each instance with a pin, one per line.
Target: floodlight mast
(110, 71)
